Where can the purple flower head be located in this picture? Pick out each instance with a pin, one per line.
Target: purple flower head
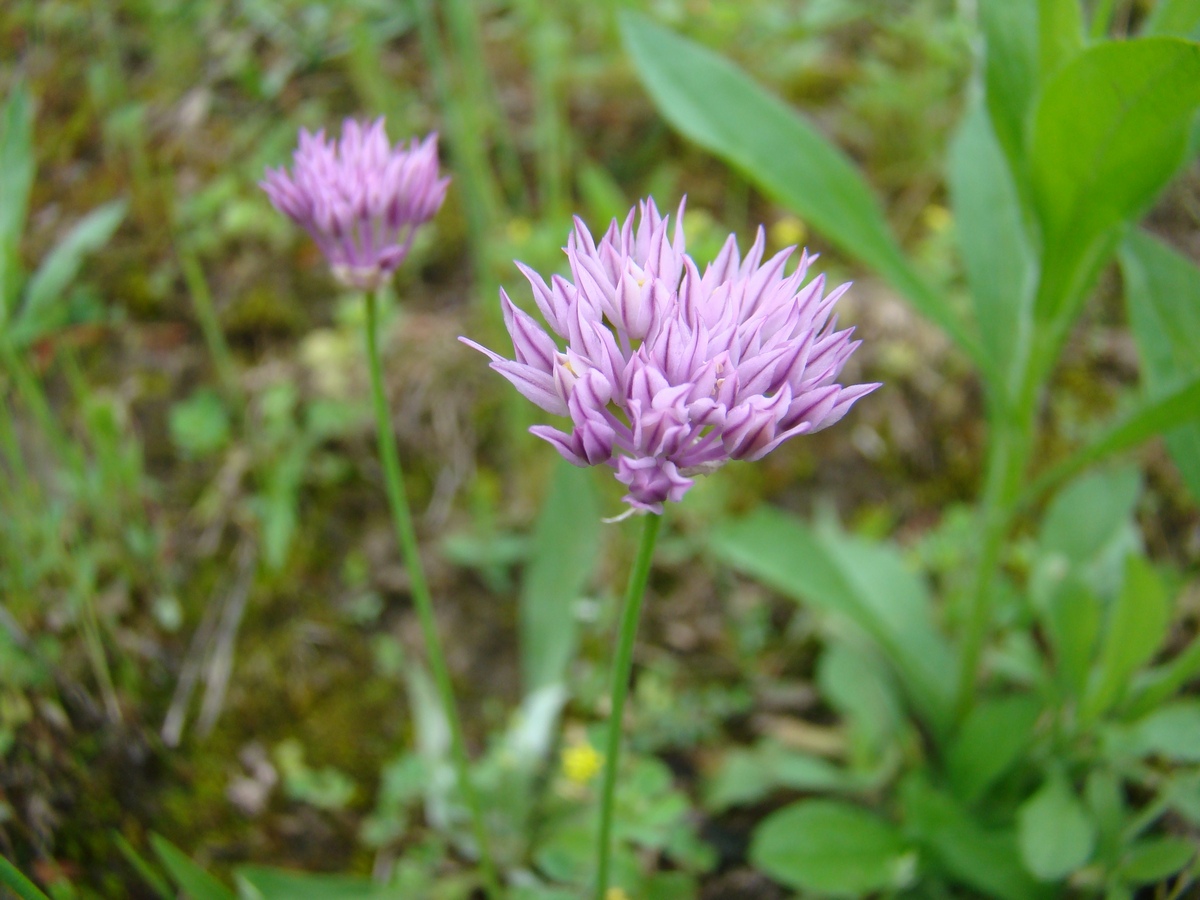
(360, 198)
(667, 373)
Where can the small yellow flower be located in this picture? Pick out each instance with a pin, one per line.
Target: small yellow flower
(937, 218)
(616, 893)
(788, 231)
(519, 230)
(581, 762)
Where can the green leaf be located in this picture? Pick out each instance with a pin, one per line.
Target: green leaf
(199, 425)
(17, 164)
(1159, 684)
(1180, 18)
(748, 775)
(44, 308)
(263, 883)
(996, 254)
(833, 848)
(191, 879)
(855, 684)
(1169, 412)
(1025, 42)
(145, 870)
(1073, 625)
(722, 109)
(1155, 860)
(25, 889)
(1109, 131)
(1172, 732)
(1011, 71)
(1137, 625)
(1060, 33)
(1182, 791)
(1163, 297)
(1087, 515)
(865, 583)
(985, 859)
(1054, 831)
(993, 737)
(566, 548)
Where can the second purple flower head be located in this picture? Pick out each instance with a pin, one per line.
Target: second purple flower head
(360, 198)
(668, 373)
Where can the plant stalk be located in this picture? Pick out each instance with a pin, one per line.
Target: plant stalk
(407, 539)
(1010, 446)
(622, 666)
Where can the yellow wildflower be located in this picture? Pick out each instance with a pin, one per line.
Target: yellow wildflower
(581, 762)
(788, 231)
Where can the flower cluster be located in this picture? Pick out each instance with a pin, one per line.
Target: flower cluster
(360, 198)
(668, 373)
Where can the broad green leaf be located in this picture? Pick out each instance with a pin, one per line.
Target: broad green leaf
(854, 682)
(1025, 42)
(1155, 860)
(993, 737)
(991, 237)
(723, 110)
(43, 308)
(749, 775)
(1109, 131)
(191, 879)
(984, 858)
(263, 883)
(1073, 625)
(1137, 625)
(1172, 732)
(866, 583)
(1163, 297)
(1104, 793)
(21, 886)
(1179, 18)
(832, 848)
(16, 182)
(1088, 513)
(1011, 71)
(566, 547)
(1054, 831)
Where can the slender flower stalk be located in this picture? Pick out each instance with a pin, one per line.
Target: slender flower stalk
(631, 612)
(667, 374)
(422, 600)
(362, 200)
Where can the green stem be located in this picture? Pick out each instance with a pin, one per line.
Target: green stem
(210, 325)
(622, 667)
(1011, 442)
(407, 539)
(93, 639)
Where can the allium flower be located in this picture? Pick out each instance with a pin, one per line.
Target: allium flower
(360, 198)
(668, 373)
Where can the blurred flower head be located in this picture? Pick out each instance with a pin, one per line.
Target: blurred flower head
(360, 198)
(581, 762)
(668, 373)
